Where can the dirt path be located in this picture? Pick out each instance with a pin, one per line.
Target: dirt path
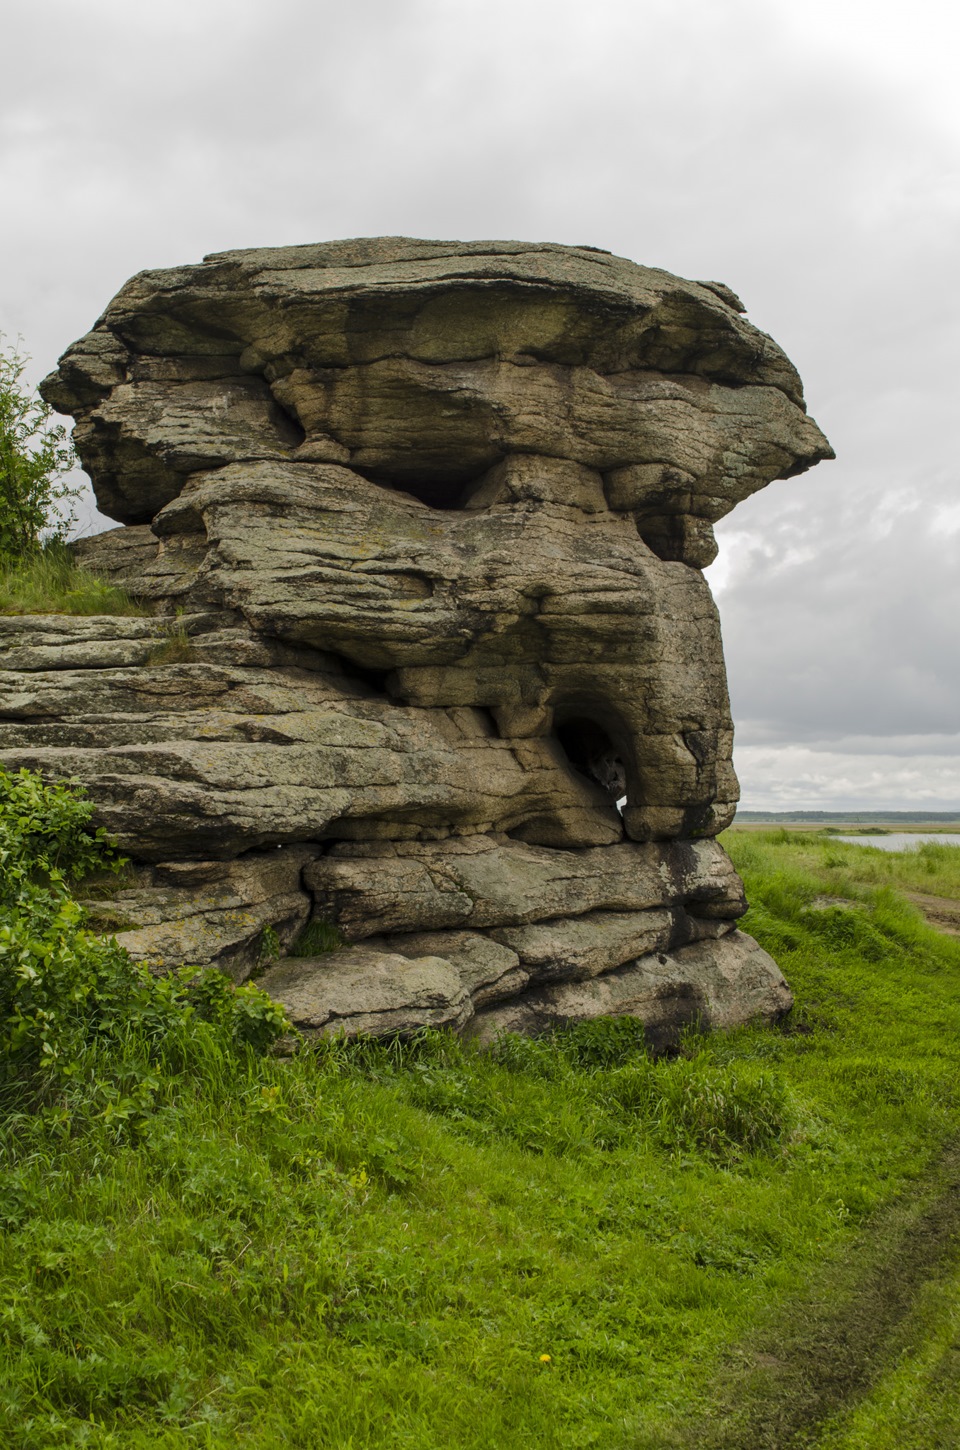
(779, 1391)
(942, 912)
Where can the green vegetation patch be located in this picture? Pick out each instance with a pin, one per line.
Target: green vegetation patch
(316, 938)
(175, 648)
(48, 581)
(560, 1243)
(847, 869)
(38, 498)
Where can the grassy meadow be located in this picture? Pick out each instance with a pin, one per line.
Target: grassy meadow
(559, 1243)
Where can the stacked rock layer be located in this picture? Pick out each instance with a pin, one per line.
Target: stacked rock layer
(431, 657)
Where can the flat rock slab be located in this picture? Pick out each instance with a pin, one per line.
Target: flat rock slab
(578, 947)
(381, 993)
(489, 971)
(360, 991)
(482, 881)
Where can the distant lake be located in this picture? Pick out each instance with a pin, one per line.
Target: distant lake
(902, 840)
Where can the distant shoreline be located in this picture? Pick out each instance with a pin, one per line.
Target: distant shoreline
(813, 820)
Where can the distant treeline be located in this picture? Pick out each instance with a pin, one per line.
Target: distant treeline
(941, 817)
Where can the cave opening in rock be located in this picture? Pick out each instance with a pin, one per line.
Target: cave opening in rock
(376, 680)
(440, 489)
(592, 753)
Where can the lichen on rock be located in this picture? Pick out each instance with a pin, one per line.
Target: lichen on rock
(430, 520)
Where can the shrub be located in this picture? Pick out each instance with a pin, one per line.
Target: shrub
(46, 835)
(64, 990)
(35, 454)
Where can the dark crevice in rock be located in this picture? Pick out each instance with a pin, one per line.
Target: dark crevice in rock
(289, 428)
(487, 719)
(377, 681)
(447, 488)
(592, 753)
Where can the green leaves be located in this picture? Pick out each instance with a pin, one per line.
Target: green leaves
(65, 990)
(35, 454)
(46, 835)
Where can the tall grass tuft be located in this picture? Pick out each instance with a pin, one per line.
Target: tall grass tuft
(317, 938)
(50, 582)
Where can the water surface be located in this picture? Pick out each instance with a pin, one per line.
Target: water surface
(903, 840)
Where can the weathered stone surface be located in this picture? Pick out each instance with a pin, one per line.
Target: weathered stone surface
(372, 989)
(716, 984)
(360, 990)
(120, 555)
(207, 759)
(210, 913)
(421, 527)
(416, 360)
(469, 466)
(579, 947)
(488, 970)
(479, 882)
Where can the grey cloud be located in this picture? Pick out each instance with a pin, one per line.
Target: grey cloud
(795, 778)
(836, 629)
(861, 746)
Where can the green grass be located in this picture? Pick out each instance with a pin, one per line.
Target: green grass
(175, 649)
(376, 1246)
(840, 867)
(49, 582)
(316, 938)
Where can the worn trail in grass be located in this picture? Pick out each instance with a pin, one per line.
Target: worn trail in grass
(868, 1357)
(799, 1382)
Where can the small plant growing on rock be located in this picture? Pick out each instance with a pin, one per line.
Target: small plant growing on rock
(269, 945)
(175, 649)
(316, 938)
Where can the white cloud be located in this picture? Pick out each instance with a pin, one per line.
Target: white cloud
(793, 777)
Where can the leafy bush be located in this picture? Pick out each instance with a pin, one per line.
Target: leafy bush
(46, 836)
(35, 454)
(65, 990)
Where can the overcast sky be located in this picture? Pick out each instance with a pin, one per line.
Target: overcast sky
(804, 153)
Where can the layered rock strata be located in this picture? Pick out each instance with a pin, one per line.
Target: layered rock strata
(431, 656)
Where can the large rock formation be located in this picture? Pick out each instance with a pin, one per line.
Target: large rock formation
(422, 527)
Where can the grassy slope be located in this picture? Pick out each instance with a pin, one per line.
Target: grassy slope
(376, 1249)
